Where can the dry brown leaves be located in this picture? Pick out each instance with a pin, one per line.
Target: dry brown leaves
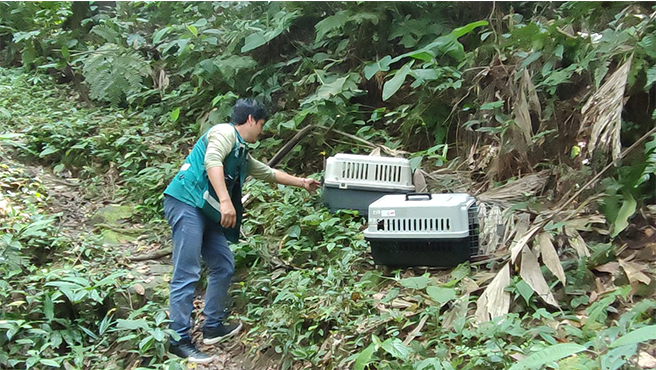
(602, 114)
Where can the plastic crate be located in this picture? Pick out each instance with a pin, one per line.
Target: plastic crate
(355, 181)
(438, 230)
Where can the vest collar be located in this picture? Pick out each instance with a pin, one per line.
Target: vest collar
(239, 138)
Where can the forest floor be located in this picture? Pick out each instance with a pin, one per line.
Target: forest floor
(133, 248)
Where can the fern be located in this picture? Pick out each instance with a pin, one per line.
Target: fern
(114, 73)
(650, 168)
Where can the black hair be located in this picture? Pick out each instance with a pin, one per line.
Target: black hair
(245, 107)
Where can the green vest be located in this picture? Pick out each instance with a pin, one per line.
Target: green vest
(192, 186)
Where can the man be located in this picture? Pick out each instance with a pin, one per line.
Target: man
(204, 215)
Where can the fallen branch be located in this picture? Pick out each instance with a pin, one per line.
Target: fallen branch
(156, 254)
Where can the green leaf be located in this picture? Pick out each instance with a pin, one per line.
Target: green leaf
(548, 355)
(331, 23)
(49, 149)
(651, 77)
(641, 335)
(626, 211)
(458, 32)
(396, 348)
(157, 36)
(524, 290)
(294, 231)
(492, 105)
(254, 41)
(175, 114)
(364, 358)
(49, 362)
(382, 65)
(441, 295)
(193, 30)
(132, 324)
(417, 282)
(415, 163)
(393, 85)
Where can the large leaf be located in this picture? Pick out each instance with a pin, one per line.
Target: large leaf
(641, 335)
(364, 358)
(548, 355)
(626, 211)
(334, 22)
(651, 77)
(532, 274)
(416, 282)
(396, 348)
(441, 295)
(461, 31)
(254, 41)
(382, 65)
(393, 85)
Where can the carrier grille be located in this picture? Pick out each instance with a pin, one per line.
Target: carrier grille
(355, 170)
(414, 224)
(473, 230)
(387, 173)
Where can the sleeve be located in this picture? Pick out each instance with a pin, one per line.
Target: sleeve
(220, 141)
(260, 170)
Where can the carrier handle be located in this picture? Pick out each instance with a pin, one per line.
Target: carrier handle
(407, 196)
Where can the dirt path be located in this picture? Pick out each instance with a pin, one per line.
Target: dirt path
(146, 255)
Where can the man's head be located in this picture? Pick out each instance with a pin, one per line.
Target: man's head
(249, 116)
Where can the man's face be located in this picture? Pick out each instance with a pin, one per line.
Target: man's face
(254, 129)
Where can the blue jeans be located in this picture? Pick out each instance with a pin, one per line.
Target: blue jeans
(194, 236)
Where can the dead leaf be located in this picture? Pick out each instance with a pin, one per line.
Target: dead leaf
(139, 289)
(602, 114)
(634, 272)
(420, 181)
(577, 242)
(611, 268)
(516, 248)
(515, 191)
(530, 271)
(646, 361)
(550, 256)
(491, 230)
(494, 301)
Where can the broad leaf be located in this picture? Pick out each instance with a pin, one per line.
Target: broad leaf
(334, 22)
(254, 41)
(417, 282)
(548, 355)
(364, 358)
(382, 65)
(626, 211)
(393, 85)
(441, 295)
(396, 348)
(461, 31)
(641, 335)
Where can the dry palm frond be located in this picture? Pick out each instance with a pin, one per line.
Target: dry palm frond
(515, 191)
(602, 114)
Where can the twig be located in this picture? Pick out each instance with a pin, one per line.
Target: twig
(290, 145)
(152, 255)
(416, 331)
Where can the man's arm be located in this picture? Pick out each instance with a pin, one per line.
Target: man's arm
(228, 213)
(311, 185)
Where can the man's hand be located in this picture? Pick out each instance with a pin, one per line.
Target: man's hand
(228, 214)
(311, 185)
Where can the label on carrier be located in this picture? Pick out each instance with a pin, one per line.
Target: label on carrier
(387, 212)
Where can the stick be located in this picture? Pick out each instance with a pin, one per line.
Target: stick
(290, 145)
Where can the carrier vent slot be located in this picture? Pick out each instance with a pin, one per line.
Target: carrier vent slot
(414, 224)
(387, 173)
(355, 170)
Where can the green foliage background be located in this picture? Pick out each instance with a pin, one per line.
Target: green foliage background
(440, 80)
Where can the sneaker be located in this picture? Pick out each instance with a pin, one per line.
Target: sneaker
(214, 335)
(187, 350)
